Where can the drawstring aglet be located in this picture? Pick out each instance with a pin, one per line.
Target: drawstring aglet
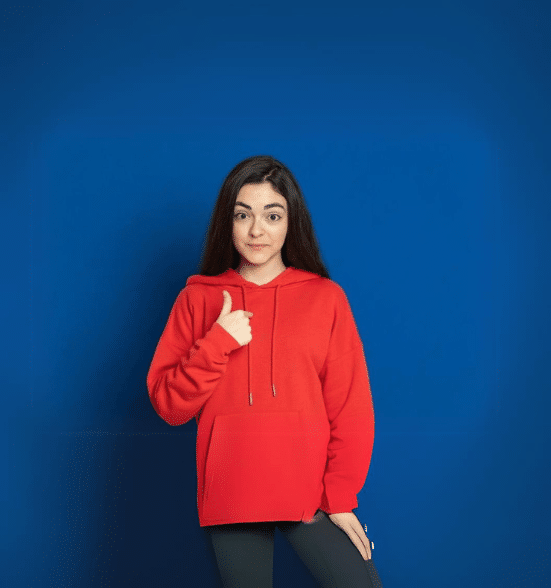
(273, 388)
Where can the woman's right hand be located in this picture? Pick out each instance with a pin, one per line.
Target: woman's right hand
(236, 322)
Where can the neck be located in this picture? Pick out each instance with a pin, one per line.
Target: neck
(260, 275)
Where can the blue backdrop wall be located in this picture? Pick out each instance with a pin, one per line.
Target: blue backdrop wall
(419, 134)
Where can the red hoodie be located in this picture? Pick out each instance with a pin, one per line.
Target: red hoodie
(285, 424)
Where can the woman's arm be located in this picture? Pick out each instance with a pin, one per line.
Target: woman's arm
(184, 371)
(349, 406)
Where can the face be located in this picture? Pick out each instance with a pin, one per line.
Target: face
(260, 217)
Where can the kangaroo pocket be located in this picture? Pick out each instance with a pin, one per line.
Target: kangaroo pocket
(262, 464)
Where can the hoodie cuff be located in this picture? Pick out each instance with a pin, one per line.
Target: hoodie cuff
(338, 506)
(221, 339)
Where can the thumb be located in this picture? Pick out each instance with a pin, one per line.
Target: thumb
(226, 307)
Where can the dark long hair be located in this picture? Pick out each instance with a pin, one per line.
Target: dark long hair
(300, 250)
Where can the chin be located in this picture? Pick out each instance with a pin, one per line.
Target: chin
(255, 261)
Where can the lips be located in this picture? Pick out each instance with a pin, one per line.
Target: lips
(256, 246)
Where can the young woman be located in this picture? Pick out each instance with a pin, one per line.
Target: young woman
(262, 349)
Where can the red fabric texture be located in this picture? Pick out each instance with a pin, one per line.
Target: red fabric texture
(285, 424)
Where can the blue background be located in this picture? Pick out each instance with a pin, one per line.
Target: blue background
(419, 132)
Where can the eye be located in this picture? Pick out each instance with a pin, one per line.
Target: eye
(238, 217)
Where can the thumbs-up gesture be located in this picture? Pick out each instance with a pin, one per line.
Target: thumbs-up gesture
(236, 322)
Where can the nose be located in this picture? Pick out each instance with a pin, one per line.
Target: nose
(256, 227)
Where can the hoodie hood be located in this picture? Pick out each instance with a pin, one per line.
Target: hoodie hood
(288, 278)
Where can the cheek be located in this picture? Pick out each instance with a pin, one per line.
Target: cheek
(241, 235)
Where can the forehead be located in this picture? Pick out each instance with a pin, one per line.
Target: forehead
(259, 195)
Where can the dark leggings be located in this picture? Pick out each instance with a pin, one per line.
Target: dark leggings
(244, 553)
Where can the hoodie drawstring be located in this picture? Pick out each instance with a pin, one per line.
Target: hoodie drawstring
(272, 347)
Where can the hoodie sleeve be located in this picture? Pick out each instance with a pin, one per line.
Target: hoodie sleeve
(349, 406)
(184, 371)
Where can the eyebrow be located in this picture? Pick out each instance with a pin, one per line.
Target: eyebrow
(267, 205)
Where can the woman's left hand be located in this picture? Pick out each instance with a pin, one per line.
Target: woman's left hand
(349, 523)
